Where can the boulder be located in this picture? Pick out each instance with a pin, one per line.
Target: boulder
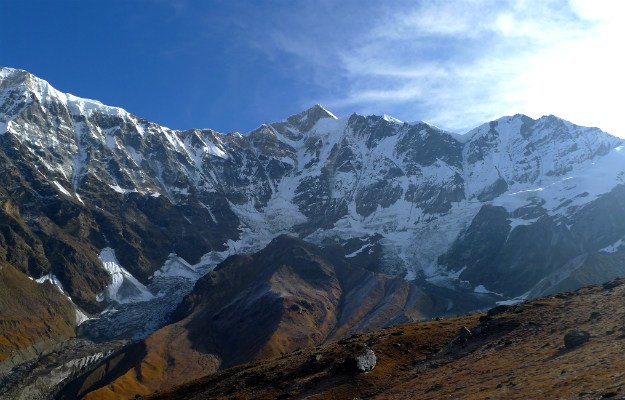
(366, 361)
(575, 339)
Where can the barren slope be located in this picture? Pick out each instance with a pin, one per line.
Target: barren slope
(514, 353)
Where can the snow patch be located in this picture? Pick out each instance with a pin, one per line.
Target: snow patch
(120, 189)
(514, 222)
(481, 289)
(613, 247)
(53, 280)
(124, 287)
(137, 158)
(360, 250)
(176, 266)
(61, 189)
(80, 316)
(516, 300)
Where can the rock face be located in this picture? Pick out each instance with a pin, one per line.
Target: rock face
(575, 339)
(366, 361)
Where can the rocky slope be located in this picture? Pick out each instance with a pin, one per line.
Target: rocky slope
(288, 296)
(41, 378)
(517, 352)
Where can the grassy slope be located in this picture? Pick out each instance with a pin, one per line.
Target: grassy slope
(516, 354)
(30, 313)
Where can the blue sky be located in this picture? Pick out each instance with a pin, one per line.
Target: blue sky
(231, 65)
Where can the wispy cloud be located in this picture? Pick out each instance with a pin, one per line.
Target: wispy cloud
(460, 63)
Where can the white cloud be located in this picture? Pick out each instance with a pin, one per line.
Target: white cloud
(457, 64)
(582, 79)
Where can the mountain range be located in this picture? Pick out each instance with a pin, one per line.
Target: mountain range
(302, 231)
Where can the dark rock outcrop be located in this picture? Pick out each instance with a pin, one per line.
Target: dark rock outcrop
(575, 339)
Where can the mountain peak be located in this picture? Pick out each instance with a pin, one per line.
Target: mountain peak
(308, 118)
(6, 71)
(12, 76)
(24, 81)
(321, 110)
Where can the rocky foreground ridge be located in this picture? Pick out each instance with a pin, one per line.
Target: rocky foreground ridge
(511, 352)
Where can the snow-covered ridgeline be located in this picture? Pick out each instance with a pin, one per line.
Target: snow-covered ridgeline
(511, 162)
(73, 138)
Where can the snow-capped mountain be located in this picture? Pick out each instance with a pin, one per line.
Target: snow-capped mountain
(515, 207)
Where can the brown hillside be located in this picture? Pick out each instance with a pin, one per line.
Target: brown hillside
(513, 353)
(33, 317)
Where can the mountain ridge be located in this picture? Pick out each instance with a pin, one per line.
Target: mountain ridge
(511, 352)
(317, 110)
(95, 199)
(324, 173)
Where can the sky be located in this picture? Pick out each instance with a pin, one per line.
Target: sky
(233, 65)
